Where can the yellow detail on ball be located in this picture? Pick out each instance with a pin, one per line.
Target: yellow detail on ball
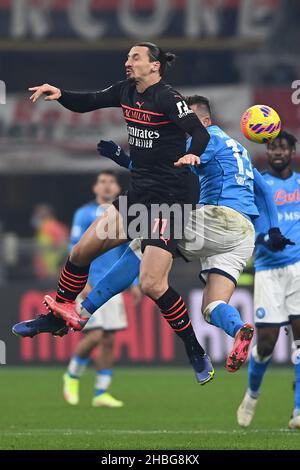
(260, 123)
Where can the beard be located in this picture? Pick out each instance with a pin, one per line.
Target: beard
(131, 80)
(280, 166)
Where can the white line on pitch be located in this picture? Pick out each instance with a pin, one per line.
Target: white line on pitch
(149, 432)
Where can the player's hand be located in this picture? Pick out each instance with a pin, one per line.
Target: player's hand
(108, 148)
(274, 241)
(188, 159)
(51, 92)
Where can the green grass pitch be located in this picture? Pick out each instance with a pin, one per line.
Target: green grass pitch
(164, 409)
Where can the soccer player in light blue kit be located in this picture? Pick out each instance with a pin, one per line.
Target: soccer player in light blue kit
(108, 319)
(277, 278)
(222, 230)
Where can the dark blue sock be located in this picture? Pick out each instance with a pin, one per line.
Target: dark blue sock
(119, 277)
(227, 318)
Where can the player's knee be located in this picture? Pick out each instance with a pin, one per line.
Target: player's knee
(265, 348)
(151, 286)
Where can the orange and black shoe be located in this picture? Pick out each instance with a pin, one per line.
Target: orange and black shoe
(67, 312)
(239, 352)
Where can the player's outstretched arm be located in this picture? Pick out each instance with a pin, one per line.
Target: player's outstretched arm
(264, 201)
(79, 101)
(266, 225)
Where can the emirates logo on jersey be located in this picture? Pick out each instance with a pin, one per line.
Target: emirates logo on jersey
(282, 197)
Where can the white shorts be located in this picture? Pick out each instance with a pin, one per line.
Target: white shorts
(277, 295)
(110, 317)
(221, 238)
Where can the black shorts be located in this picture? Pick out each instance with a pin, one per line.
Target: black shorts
(158, 221)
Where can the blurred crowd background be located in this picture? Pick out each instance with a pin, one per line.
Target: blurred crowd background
(235, 52)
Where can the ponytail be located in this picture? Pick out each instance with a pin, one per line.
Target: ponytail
(166, 59)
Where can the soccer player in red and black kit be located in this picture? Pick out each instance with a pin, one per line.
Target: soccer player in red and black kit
(158, 120)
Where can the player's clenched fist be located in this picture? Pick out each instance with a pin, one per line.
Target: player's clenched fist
(52, 92)
(188, 159)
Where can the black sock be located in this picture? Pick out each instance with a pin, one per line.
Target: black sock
(174, 310)
(71, 282)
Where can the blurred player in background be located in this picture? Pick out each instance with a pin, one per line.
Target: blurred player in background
(102, 327)
(277, 277)
(51, 241)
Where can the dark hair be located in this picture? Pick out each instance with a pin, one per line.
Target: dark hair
(290, 138)
(199, 100)
(166, 59)
(108, 173)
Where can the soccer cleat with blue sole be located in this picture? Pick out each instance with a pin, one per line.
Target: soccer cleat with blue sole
(203, 368)
(42, 324)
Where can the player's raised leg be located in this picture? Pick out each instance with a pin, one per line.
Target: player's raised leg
(260, 359)
(155, 267)
(116, 280)
(216, 311)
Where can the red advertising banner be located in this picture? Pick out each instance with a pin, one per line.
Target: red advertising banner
(147, 340)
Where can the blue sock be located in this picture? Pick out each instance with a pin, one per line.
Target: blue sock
(256, 371)
(297, 390)
(118, 278)
(227, 318)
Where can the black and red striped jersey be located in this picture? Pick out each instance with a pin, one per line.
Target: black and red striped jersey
(157, 123)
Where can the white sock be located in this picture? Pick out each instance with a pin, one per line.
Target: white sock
(103, 380)
(77, 366)
(296, 412)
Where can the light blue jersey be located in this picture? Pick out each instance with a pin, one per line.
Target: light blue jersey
(83, 218)
(226, 174)
(286, 193)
